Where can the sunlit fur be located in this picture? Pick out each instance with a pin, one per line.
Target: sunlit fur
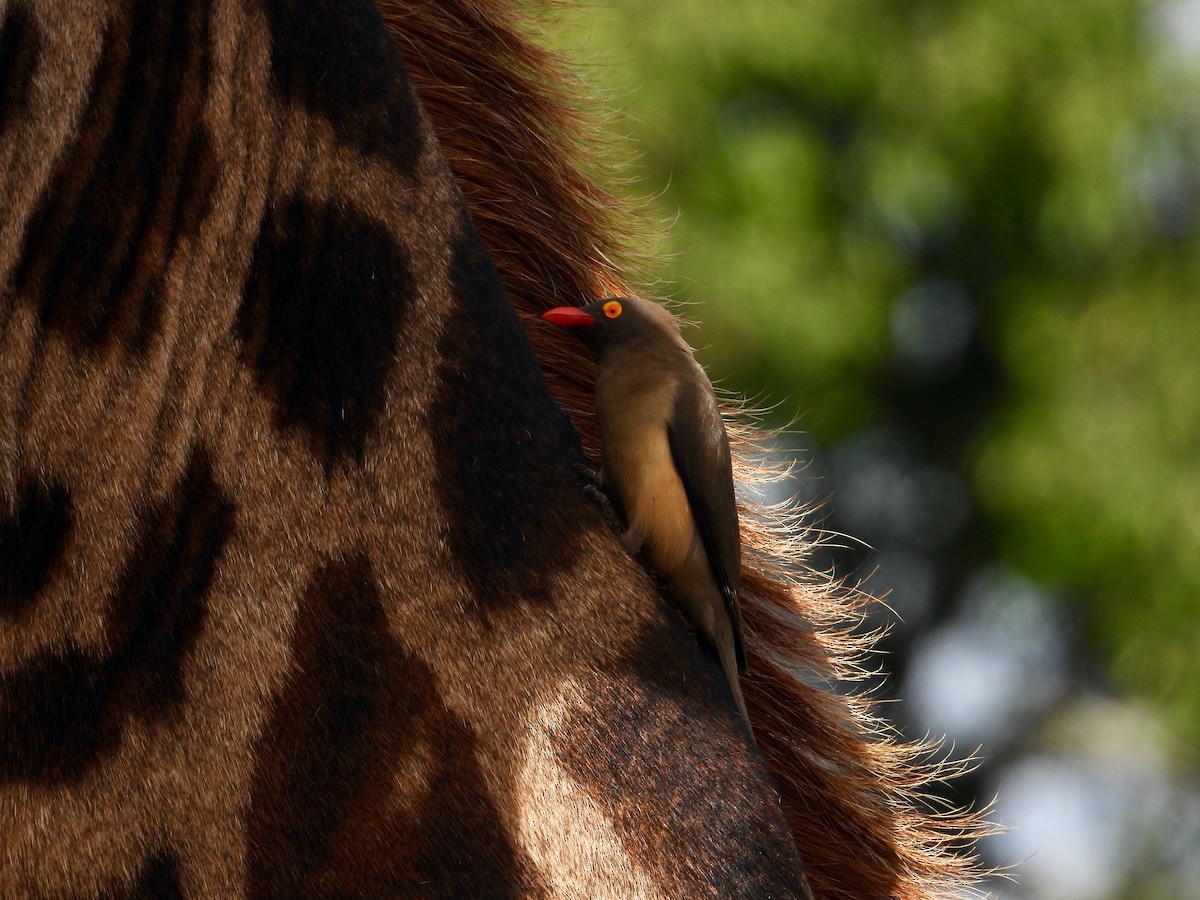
(856, 793)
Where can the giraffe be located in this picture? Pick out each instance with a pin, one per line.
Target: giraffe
(300, 591)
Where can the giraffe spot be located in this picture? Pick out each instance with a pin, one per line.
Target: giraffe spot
(357, 713)
(505, 449)
(31, 543)
(335, 59)
(66, 708)
(690, 800)
(20, 47)
(324, 301)
(158, 880)
(137, 179)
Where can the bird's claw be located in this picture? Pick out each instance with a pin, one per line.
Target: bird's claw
(589, 476)
(594, 491)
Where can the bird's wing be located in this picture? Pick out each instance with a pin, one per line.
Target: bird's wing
(705, 469)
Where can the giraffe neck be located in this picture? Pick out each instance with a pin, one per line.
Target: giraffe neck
(299, 586)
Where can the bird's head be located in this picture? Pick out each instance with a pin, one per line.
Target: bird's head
(616, 321)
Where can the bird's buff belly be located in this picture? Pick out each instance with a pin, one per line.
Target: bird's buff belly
(655, 503)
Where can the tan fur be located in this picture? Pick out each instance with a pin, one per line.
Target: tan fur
(568, 831)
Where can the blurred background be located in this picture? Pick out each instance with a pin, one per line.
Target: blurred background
(958, 245)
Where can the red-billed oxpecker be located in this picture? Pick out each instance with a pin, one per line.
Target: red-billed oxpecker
(665, 463)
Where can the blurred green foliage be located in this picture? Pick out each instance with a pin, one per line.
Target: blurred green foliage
(825, 157)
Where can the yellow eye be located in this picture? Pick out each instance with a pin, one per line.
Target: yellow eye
(612, 309)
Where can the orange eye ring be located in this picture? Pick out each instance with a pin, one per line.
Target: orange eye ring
(612, 309)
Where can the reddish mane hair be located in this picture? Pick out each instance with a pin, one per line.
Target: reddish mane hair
(508, 119)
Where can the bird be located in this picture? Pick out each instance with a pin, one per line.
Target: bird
(665, 465)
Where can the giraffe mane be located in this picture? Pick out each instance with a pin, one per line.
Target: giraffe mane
(857, 795)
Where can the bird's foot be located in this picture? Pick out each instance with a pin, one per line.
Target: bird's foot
(589, 476)
(594, 491)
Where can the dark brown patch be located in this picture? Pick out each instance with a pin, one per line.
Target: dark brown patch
(334, 57)
(324, 302)
(66, 708)
(20, 48)
(689, 799)
(505, 449)
(358, 710)
(31, 543)
(159, 880)
(137, 179)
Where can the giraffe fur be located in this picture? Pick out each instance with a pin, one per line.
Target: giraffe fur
(300, 592)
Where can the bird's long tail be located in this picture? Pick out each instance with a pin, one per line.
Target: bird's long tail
(727, 654)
